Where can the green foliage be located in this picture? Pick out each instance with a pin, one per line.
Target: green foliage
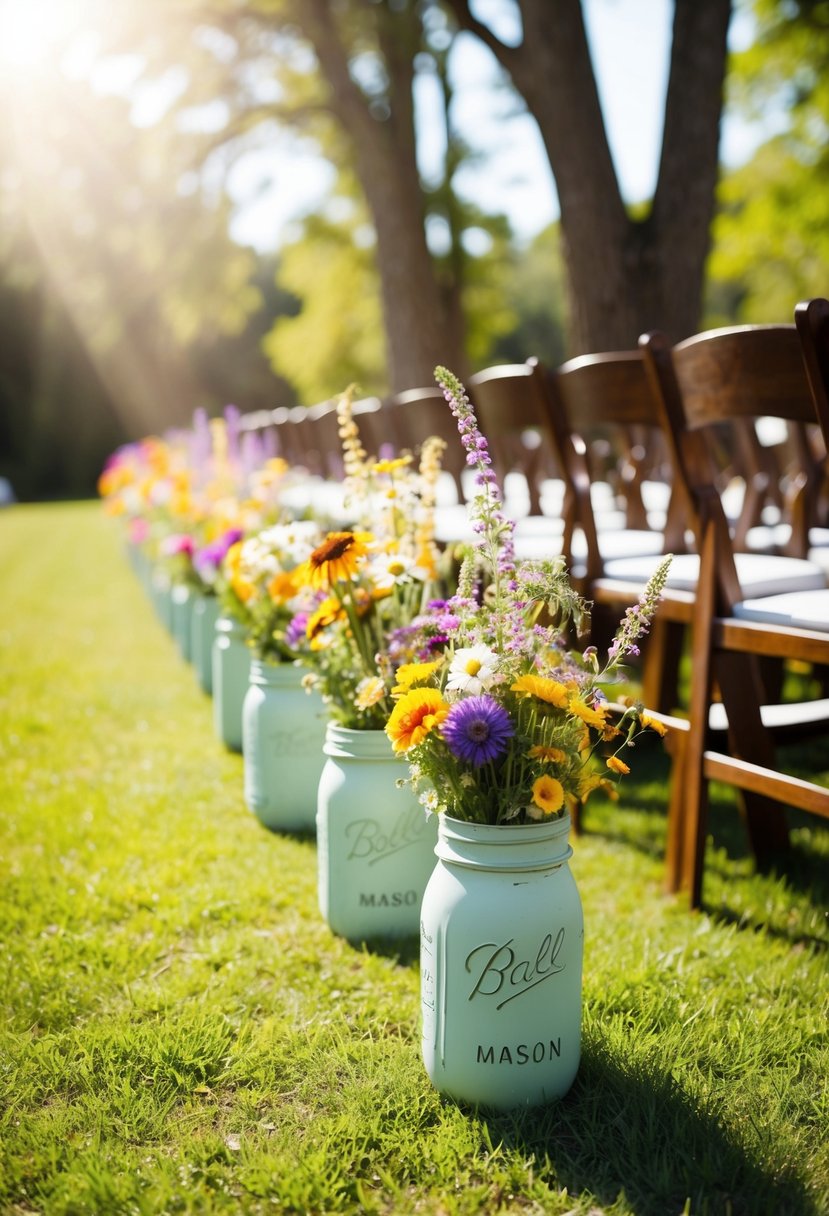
(181, 1032)
(770, 238)
(337, 337)
(535, 291)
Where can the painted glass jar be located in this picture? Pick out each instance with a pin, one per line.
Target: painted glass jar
(203, 634)
(283, 731)
(375, 844)
(161, 592)
(231, 677)
(182, 597)
(502, 938)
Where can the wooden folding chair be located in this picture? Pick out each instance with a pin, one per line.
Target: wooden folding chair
(508, 401)
(743, 372)
(410, 417)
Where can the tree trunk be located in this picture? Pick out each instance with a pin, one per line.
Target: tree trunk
(624, 276)
(383, 137)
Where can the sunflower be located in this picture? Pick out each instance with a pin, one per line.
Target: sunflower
(326, 614)
(414, 715)
(336, 559)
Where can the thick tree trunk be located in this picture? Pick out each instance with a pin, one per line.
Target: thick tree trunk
(624, 276)
(417, 334)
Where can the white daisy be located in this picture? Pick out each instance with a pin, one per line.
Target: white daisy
(474, 669)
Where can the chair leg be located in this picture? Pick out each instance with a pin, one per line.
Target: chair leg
(676, 745)
(743, 689)
(660, 665)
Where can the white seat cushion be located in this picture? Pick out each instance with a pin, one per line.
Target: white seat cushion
(800, 610)
(774, 717)
(760, 574)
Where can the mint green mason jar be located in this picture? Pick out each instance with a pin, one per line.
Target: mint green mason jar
(375, 843)
(182, 597)
(203, 634)
(161, 592)
(501, 946)
(283, 730)
(231, 677)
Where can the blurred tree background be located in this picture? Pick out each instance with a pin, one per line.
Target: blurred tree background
(127, 125)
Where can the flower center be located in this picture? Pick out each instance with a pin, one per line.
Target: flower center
(478, 730)
(473, 666)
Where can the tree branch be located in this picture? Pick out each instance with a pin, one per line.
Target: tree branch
(505, 55)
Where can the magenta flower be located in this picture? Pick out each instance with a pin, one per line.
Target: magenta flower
(477, 730)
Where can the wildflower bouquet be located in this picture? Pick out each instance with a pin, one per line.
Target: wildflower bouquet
(501, 722)
(372, 580)
(260, 586)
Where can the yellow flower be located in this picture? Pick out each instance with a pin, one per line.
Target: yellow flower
(326, 614)
(409, 674)
(414, 715)
(549, 755)
(543, 689)
(548, 794)
(369, 691)
(652, 724)
(242, 588)
(616, 765)
(391, 466)
(282, 587)
(588, 714)
(337, 558)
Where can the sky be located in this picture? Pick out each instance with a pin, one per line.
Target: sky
(630, 44)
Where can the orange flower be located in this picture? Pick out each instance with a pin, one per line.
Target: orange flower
(543, 689)
(652, 723)
(549, 755)
(337, 558)
(548, 794)
(282, 587)
(616, 765)
(414, 715)
(588, 714)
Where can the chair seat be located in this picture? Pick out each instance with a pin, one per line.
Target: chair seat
(800, 610)
(797, 715)
(760, 574)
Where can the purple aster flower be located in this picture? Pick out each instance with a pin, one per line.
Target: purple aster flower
(477, 730)
(210, 557)
(295, 632)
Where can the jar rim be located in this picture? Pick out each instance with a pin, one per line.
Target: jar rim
(540, 845)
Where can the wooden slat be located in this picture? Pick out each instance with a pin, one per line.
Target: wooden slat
(673, 606)
(791, 791)
(776, 641)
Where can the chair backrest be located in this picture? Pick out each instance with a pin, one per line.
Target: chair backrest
(610, 412)
(510, 402)
(743, 373)
(414, 415)
(712, 380)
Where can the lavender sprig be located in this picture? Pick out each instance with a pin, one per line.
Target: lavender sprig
(636, 621)
(493, 529)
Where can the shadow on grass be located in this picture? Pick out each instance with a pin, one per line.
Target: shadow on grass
(627, 1127)
(642, 826)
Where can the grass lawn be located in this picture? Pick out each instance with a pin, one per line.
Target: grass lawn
(182, 1033)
